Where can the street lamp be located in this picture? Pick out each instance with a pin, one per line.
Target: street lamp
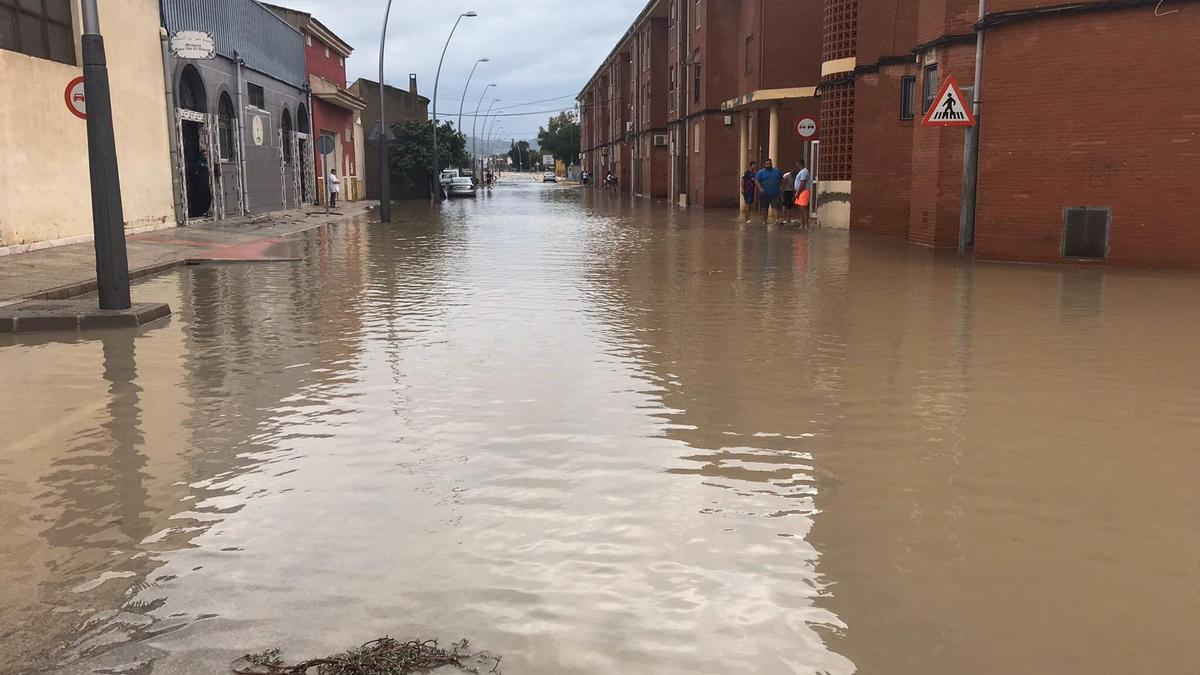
(108, 218)
(475, 119)
(437, 173)
(385, 187)
(465, 88)
(485, 116)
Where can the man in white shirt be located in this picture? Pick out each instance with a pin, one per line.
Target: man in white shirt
(803, 183)
(335, 186)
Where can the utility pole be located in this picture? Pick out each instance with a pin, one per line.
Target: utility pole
(108, 217)
(385, 182)
(970, 188)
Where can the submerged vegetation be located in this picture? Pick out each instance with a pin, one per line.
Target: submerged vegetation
(383, 656)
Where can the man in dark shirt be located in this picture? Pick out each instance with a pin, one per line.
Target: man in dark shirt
(768, 180)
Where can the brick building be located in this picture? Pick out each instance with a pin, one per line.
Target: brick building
(1067, 169)
(335, 109)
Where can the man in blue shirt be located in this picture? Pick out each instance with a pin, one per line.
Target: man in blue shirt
(768, 180)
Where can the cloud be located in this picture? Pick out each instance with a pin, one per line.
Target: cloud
(538, 49)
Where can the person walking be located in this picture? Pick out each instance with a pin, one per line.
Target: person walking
(768, 180)
(748, 185)
(803, 188)
(335, 186)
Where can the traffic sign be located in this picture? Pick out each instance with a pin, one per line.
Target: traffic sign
(806, 128)
(324, 144)
(950, 108)
(76, 99)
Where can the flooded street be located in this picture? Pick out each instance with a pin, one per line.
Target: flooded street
(602, 437)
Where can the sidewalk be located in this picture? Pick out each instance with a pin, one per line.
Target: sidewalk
(67, 271)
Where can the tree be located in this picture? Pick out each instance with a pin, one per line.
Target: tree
(411, 156)
(561, 137)
(522, 155)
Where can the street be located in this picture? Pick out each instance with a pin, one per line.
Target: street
(599, 435)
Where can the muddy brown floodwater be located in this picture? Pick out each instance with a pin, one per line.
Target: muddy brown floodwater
(607, 437)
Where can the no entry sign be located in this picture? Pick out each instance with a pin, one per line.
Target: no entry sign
(806, 128)
(75, 98)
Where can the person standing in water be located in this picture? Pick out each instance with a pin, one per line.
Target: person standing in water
(335, 186)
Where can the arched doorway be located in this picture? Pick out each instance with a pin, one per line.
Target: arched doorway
(287, 151)
(304, 150)
(193, 116)
(229, 182)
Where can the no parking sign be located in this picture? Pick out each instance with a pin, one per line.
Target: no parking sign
(806, 128)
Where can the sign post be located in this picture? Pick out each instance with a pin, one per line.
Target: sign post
(325, 147)
(951, 109)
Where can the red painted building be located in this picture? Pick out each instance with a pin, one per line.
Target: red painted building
(335, 110)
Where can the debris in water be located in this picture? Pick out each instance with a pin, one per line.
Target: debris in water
(383, 656)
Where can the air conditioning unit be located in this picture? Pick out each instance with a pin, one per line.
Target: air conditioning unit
(660, 140)
(628, 127)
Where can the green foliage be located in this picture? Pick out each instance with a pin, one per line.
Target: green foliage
(411, 155)
(523, 156)
(561, 137)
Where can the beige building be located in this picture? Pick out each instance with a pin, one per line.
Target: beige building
(46, 197)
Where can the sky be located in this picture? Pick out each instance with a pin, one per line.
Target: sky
(537, 49)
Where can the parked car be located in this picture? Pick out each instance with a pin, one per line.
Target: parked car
(549, 177)
(462, 186)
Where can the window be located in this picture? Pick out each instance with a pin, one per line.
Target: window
(696, 83)
(750, 54)
(327, 52)
(672, 12)
(341, 62)
(40, 28)
(697, 13)
(908, 97)
(286, 128)
(225, 127)
(696, 132)
(671, 78)
(931, 88)
(256, 95)
(308, 40)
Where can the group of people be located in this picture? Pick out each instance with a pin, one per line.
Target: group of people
(785, 193)
(608, 182)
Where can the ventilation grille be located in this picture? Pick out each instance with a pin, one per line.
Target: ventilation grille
(1085, 233)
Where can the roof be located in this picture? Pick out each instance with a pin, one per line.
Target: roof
(307, 23)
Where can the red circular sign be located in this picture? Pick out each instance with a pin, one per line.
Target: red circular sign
(806, 128)
(75, 98)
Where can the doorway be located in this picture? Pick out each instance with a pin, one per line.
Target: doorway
(196, 170)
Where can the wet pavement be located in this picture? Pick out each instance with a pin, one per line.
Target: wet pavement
(598, 436)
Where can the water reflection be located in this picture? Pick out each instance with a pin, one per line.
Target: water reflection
(597, 435)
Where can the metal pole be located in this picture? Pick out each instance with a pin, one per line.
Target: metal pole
(465, 88)
(437, 173)
(485, 116)
(385, 183)
(970, 189)
(108, 218)
(475, 120)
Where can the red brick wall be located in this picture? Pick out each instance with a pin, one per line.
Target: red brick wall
(1112, 134)
(937, 162)
(882, 154)
(324, 115)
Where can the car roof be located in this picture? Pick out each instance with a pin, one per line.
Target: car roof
(461, 179)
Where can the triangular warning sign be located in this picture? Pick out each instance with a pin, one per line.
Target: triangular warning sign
(950, 108)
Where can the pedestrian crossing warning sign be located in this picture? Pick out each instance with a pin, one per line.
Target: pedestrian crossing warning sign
(950, 108)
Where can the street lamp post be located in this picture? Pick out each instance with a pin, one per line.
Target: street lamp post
(385, 187)
(465, 88)
(475, 119)
(485, 116)
(108, 218)
(437, 173)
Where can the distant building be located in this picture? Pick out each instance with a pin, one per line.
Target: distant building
(402, 106)
(335, 109)
(242, 122)
(45, 196)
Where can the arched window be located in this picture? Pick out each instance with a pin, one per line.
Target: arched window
(191, 90)
(302, 120)
(286, 126)
(225, 125)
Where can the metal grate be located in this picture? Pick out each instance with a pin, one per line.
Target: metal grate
(1085, 233)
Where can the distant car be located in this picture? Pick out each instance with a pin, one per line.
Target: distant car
(463, 186)
(549, 177)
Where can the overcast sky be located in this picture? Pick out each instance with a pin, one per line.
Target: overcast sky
(538, 48)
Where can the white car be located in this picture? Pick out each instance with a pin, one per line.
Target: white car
(463, 186)
(549, 177)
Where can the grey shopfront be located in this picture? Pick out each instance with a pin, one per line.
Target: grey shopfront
(242, 119)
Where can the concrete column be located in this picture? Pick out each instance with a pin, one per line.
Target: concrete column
(743, 154)
(773, 143)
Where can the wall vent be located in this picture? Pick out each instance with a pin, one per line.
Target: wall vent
(1085, 233)
(660, 140)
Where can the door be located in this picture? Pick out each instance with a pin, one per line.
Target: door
(814, 169)
(197, 173)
